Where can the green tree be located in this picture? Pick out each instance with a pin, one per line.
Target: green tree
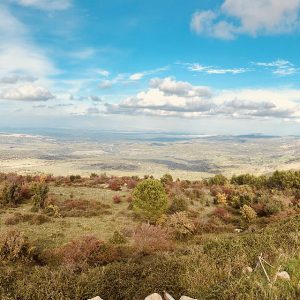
(150, 199)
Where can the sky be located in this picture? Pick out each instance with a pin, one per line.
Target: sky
(194, 66)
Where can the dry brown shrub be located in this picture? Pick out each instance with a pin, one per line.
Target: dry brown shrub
(14, 246)
(149, 238)
(76, 207)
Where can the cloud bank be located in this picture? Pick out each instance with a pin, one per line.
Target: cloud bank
(168, 97)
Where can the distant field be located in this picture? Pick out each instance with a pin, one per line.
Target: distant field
(189, 157)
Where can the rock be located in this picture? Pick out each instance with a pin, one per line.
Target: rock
(247, 270)
(283, 276)
(96, 298)
(186, 298)
(168, 296)
(154, 296)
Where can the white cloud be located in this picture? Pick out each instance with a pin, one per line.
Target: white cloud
(125, 78)
(84, 54)
(168, 97)
(45, 4)
(280, 67)
(18, 54)
(140, 75)
(27, 93)
(169, 86)
(256, 17)
(214, 70)
(103, 72)
(15, 78)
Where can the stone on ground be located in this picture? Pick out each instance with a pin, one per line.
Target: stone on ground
(154, 296)
(168, 296)
(283, 276)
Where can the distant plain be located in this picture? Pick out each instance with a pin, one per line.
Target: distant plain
(140, 153)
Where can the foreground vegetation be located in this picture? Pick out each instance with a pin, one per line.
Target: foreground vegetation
(127, 237)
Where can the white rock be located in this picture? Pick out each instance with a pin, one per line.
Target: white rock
(154, 296)
(168, 296)
(283, 275)
(96, 298)
(247, 270)
(186, 298)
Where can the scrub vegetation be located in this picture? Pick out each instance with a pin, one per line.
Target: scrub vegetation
(127, 237)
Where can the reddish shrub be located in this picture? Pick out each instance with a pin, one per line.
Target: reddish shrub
(221, 213)
(116, 199)
(88, 251)
(115, 184)
(131, 183)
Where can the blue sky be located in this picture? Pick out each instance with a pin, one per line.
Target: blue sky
(205, 66)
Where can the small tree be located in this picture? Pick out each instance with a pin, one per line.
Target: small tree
(150, 199)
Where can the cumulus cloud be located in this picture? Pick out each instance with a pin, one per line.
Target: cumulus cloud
(45, 4)
(168, 97)
(27, 93)
(280, 67)
(170, 87)
(256, 17)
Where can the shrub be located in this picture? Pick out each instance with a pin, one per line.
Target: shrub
(284, 180)
(115, 184)
(74, 178)
(221, 212)
(166, 179)
(36, 219)
(248, 213)
(181, 225)
(40, 191)
(243, 195)
(150, 199)
(75, 208)
(248, 179)
(218, 179)
(131, 183)
(14, 246)
(88, 251)
(11, 194)
(118, 238)
(117, 199)
(149, 238)
(178, 204)
(221, 199)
